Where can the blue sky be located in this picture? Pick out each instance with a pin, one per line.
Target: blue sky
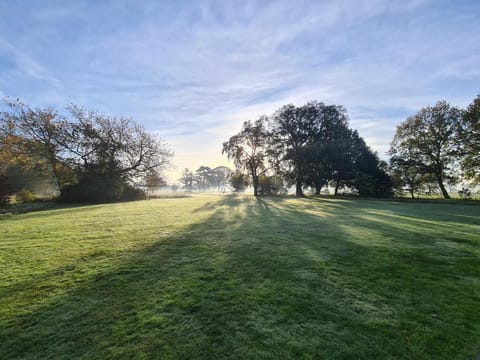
(193, 71)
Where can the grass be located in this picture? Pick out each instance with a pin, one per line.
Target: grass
(239, 278)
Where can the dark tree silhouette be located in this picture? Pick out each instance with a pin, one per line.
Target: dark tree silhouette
(428, 139)
(248, 150)
(468, 141)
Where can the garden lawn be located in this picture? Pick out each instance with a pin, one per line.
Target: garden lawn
(212, 277)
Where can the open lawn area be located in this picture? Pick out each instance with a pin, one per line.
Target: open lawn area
(212, 277)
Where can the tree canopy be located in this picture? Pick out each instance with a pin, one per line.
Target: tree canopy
(307, 146)
(426, 141)
(90, 156)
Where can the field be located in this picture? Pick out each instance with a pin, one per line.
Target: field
(211, 277)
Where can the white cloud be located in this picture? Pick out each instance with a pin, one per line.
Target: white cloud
(194, 72)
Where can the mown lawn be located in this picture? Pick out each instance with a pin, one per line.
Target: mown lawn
(213, 277)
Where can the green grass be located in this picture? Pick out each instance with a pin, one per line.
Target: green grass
(239, 278)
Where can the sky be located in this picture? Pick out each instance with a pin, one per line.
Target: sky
(193, 71)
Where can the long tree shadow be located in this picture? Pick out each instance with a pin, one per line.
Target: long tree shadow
(263, 278)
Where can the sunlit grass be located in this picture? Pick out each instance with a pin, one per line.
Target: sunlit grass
(234, 277)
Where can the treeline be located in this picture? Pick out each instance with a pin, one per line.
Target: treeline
(84, 156)
(309, 146)
(439, 145)
(206, 178)
(312, 146)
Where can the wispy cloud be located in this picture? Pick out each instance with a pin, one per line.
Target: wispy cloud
(194, 71)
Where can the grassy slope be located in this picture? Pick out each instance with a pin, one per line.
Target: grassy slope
(212, 277)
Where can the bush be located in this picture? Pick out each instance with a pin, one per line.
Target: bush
(130, 193)
(4, 191)
(271, 185)
(465, 194)
(25, 196)
(99, 189)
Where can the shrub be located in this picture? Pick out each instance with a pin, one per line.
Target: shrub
(98, 189)
(465, 194)
(25, 196)
(4, 191)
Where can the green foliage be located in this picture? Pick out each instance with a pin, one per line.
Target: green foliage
(310, 145)
(98, 189)
(248, 150)
(271, 185)
(89, 156)
(241, 278)
(25, 196)
(465, 194)
(5, 191)
(469, 141)
(427, 141)
(239, 181)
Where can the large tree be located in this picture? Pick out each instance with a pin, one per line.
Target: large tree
(34, 136)
(114, 147)
(428, 139)
(293, 129)
(91, 157)
(248, 150)
(326, 153)
(469, 141)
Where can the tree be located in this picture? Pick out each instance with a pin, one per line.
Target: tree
(203, 177)
(271, 185)
(116, 147)
(468, 141)
(5, 191)
(248, 150)
(309, 138)
(239, 181)
(428, 139)
(327, 152)
(187, 179)
(407, 173)
(110, 155)
(292, 129)
(34, 135)
(370, 177)
(221, 177)
(153, 180)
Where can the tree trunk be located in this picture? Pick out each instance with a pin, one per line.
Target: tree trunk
(318, 188)
(255, 186)
(412, 194)
(442, 188)
(337, 185)
(298, 190)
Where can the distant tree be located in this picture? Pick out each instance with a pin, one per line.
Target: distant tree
(428, 138)
(203, 177)
(468, 141)
(239, 181)
(248, 150)
(187, 180)
(153, 180)
(221, 177)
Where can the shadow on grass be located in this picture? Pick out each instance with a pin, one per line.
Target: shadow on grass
(267, 278)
